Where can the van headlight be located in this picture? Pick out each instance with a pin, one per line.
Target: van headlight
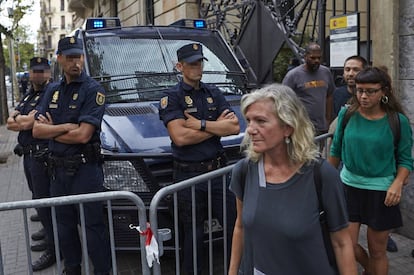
(121, 175)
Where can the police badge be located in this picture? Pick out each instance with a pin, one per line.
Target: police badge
(100, 98)
(164, 102)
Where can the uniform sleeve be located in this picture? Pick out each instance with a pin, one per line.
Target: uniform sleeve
(287, 80)
(170, 107)
(236, 185)
(333, 197)
(20, 106)
(223, 104)
(43, 105)
(336, 147)
(93, 108)
(405, 144)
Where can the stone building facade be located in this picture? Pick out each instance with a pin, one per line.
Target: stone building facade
(56, 22)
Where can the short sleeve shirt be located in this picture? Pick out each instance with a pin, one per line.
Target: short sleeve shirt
(29, 102)
(281, 221)
(312, 88)
(81, 100)
(206, 103)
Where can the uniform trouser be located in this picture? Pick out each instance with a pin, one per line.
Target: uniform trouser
(27, 165)
(88, 179)
(185, 216)
(38, 179)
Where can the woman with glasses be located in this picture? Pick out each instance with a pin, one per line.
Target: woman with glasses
(375, 168)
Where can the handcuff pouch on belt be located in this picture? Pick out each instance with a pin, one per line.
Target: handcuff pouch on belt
(91, 153)
(18, 149)
(31, 149)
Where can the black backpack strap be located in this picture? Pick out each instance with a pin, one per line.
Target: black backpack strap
(394, 122)
(244, 168)
(317, 179)
(346, 118)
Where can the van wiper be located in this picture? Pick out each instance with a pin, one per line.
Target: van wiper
(112, 78)
(224, 73)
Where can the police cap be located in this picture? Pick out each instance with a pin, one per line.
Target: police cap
(39, 63)
(190, 53)
(69, 46)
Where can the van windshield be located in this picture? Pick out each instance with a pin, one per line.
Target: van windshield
(139, 67)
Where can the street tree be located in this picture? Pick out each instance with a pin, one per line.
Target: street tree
(21, 7)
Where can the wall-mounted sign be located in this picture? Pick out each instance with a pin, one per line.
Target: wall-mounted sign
(344, 38)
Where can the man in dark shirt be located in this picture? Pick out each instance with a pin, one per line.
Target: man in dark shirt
(70, 117)
(34, 152)
(197, 116)
(352, 66)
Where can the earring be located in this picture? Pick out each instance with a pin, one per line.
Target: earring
(287, 140)
(384, 99)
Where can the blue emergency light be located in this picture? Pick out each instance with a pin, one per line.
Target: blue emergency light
(191, 23)
(102, 23)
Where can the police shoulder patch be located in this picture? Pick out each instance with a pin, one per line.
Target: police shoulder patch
(164, 102)
(100, 98)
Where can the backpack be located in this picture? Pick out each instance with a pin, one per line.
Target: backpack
(393, 121)
(317, 180)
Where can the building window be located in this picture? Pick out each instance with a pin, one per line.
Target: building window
(62, 5)
(62, 22)
(49, 41)
(50, 23)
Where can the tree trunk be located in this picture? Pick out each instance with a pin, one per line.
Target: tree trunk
(4, 109)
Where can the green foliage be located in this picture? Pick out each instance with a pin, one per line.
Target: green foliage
(18, 33)
(24, 50)
(281, 63)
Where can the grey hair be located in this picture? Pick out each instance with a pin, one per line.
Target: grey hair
(290, 111)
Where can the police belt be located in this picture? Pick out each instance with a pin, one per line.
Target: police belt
(33, 148)
(71, 161)
(201, 166)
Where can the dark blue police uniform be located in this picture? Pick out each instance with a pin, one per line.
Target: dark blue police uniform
(30, 145)
(77, 169)
(192, 160)
(34, 152)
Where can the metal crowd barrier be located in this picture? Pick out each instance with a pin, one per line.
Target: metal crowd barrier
(80, 200)
(172, 190)
(324, 143)
(160, 235)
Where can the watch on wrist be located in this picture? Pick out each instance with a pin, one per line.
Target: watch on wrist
(203, 125)
(15, 116)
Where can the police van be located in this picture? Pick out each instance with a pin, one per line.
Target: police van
(136, 65)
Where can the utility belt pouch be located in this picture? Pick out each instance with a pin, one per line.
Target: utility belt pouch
(41, 155)
(92, 152)
(18, 149)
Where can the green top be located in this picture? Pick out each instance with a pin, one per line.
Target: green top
(367, 151)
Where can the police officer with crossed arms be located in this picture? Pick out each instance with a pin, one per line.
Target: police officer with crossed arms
(196, 116)
(70, 117)
(34, 152)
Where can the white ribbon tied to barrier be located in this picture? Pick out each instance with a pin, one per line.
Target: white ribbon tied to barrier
(151, 245)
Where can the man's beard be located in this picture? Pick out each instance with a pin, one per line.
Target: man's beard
(313, 67)
(39, 86)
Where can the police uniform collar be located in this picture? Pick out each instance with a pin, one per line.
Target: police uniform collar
(81, 78)
(189, 88)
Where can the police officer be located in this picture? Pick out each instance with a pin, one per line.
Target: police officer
(197, 116)
(34, 153)
(70, 117)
